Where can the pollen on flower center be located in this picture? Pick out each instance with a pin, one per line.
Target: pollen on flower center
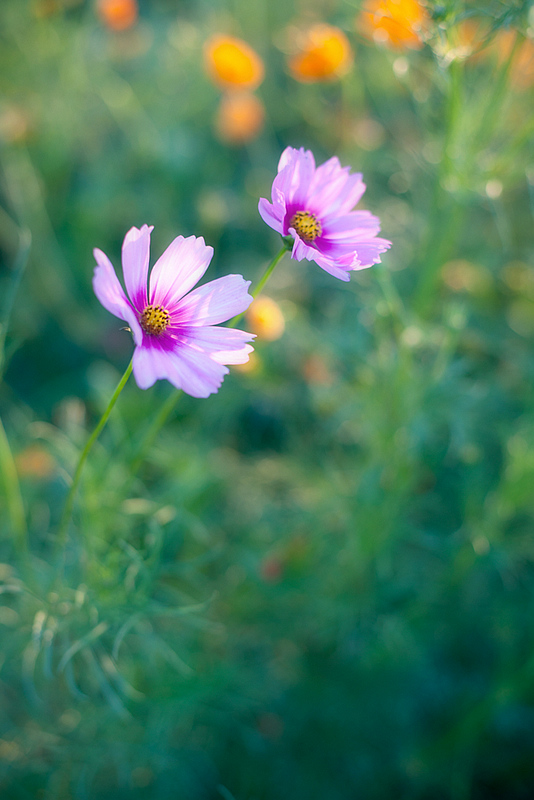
(306, 225)
(154, 320)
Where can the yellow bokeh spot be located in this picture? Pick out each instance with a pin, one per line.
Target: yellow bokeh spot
(240, 117)
(35, 462)
(470, 37)
(232, 63)
(265, 319)
(14, 124)
(395, 23)
(118, 15)
(316, 371)
(325, 54)
(464, 276)
(522, 65)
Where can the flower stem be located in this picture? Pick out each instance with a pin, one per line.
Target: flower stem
(267, 274)
(69, 502)
(15, 507)
(264, 278)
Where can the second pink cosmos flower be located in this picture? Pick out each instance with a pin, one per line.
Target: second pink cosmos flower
(314, 205)
(173, 327)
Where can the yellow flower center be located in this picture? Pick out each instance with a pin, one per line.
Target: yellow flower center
(154, 320)
(306, 225)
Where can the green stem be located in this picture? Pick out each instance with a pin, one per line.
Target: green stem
(453, 114)
(8, 299)
(264, 278)
(69, 502)
(14, 502)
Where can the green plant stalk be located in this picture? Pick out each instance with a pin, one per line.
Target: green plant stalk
(265, 277)
(15, 506)
(21, 259)
(287, 246)
(444, 218)
(69, 502)
(171, 401)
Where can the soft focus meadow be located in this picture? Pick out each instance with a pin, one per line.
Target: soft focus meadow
(317, 583)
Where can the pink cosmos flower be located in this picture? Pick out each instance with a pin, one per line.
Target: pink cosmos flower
(174, 331)
(314, 206)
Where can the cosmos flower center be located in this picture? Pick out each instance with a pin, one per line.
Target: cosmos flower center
(306, 225)
(154, 320)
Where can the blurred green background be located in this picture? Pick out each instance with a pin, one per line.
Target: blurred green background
(319, 584)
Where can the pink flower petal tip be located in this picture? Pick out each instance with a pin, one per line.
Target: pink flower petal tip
(314, 206)
(175, 329)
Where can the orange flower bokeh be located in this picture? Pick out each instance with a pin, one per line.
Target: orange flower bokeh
(265, 319)
(522, 67)
(325, 54)
(471, 37)
(395, 23)
(118, 15)
(35, 462)
(240, 117)
(232, 64)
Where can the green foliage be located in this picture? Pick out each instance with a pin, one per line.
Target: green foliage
(318, 583)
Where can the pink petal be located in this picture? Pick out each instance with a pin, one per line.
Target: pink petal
(356, 225)
(224, 345)
(111, 294)
(334, 190)
(301, 249)
(286, 158)
(148, 365)
(233, 356)
(369, 252)
(196, 373)
(192, 371)
(354, 253)
(325, 198)
(327, 173)
(178, 269)
(351, 194)
(295, 173)
(214, 302)
(334, 268)
(135, 256)
(269, 215)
